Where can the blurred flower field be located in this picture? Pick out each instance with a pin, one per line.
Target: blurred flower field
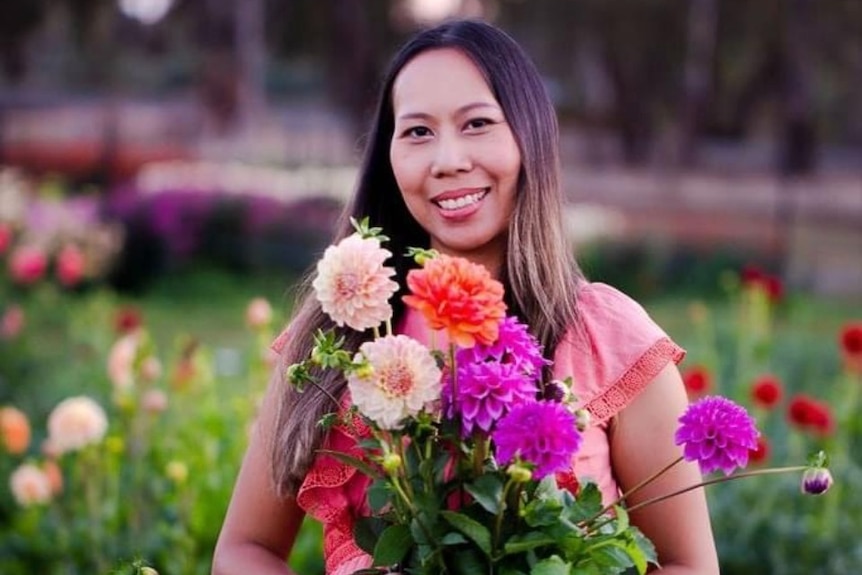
(123, 418)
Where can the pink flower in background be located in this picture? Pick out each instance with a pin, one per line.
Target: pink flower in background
(718, 434)
(30, 485)
(402, 377)
(542, 433)
(353, 285)
(5, 237)
(154, 401)
(121, 361)
(258, 314)
(71, 265)
(75, 423)
(12, 322)
(151, 368)
(27, 264)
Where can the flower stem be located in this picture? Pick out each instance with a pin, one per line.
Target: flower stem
(771, 471)
(622, 498)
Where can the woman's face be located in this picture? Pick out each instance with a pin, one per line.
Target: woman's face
(454, 156)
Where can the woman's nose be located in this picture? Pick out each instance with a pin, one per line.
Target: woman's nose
(451, 157)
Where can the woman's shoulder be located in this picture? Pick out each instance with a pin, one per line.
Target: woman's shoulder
(613, 351)
(608, 313)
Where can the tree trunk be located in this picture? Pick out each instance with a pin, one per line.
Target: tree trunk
(700, 54)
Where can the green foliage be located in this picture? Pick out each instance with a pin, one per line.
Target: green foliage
(154, 491)
(762, 524)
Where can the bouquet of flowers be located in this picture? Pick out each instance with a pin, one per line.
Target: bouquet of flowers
(469, 447)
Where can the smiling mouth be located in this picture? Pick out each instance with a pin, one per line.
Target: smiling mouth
(463, 201)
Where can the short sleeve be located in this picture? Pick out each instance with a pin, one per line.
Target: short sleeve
(614, 352)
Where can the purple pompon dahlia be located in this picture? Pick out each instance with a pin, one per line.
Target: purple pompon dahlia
(494, 378)
(486, 392)
(514, 345)
(717, 433)
(542, 433)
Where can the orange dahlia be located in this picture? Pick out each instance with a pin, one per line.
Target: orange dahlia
(460, 297)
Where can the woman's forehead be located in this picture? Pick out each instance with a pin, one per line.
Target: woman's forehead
(440, 79)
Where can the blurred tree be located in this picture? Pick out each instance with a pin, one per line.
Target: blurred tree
(18, 20)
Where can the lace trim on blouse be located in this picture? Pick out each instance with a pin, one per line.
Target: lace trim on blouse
(617, 396)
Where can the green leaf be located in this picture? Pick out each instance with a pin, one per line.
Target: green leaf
(622, 521)
(468, 562)
(487, 490)
(366, 532)
(474, 530)
(359, 464)
(453, 538)
(551, 566)
(393, 545)
(531, 540)
(379, 495)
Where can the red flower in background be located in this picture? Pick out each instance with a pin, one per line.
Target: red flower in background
(761, 453)
(851, 346)
(127, 319)
(70, 265)
(808, 414)
(5, 237)
(27, 264)
(697, 380)
(766, 391)
(753, 276)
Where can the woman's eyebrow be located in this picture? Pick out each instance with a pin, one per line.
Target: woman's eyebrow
(462, 110)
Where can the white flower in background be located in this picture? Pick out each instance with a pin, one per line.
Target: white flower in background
(75, 423)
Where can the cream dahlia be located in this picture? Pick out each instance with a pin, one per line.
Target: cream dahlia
(352, 284)
(401, 379)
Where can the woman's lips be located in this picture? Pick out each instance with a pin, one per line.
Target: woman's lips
(460, 202)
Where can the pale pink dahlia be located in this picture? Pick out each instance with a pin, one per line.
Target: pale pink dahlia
(30, 485)
(543, 433)
(75, 423)
(402, 379)
(353, 285)
(717, 433)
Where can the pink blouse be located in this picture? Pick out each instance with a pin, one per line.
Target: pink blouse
(612, 355)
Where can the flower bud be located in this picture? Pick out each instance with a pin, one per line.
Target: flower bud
(582, 419)
(148, 571)
(391, 463)
(519, 473)
(365, 371)
(555, 391)
(816, 481)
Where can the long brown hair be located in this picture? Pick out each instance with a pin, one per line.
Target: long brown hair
(540, 276)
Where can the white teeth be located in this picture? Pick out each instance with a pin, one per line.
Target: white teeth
(461, 202)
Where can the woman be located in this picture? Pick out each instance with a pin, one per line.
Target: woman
(463, 158)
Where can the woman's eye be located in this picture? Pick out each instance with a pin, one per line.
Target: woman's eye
(416, 132)
(478, 123)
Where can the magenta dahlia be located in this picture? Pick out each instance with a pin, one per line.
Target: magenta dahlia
(543, 433)
(717, 433)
